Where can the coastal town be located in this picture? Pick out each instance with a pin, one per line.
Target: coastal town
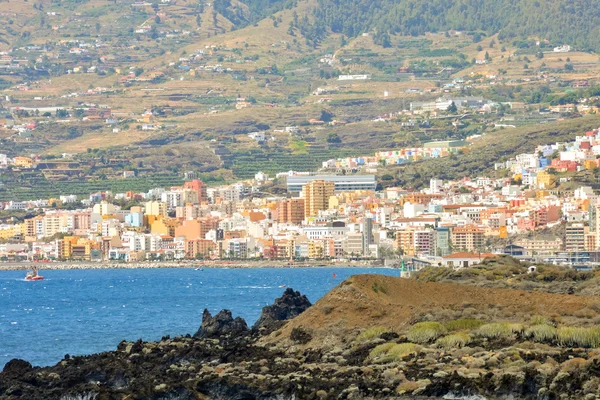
(329, 217)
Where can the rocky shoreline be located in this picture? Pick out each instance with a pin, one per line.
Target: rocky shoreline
(290, 353)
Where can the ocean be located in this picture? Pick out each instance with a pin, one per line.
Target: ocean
(81, 312)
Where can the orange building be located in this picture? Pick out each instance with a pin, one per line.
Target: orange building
(199, 187)
(469, 238)
(196, 228)
(291, 211)
(196, 247)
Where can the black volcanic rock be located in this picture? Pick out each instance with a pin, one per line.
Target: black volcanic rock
(288, 306)
(222, 324)
(17, 367)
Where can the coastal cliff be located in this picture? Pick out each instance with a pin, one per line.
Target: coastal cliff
(370, 337)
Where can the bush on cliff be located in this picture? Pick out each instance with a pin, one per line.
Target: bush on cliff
(457, 340)
(463, 324)
(581, 337)
(426, 332)
(371, 333)
(390, 352)
(499, 330)
(541, 333)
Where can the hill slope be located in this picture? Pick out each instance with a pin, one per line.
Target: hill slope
(574, 22)
(365, 301)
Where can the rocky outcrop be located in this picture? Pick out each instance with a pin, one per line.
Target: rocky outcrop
(17, 367)
(221, 325)
(288, 306)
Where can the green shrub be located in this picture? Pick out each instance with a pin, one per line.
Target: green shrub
(371, 333)
(499, 330)
(463, 324)
(456, 340)
(539, 320)
(426, 332)
(580, 337)
(404, 349)
(541, 333)
(381, 350)
(390, 352)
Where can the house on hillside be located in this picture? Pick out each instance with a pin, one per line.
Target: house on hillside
(464, 259)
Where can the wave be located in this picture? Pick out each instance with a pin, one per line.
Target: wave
(253, 287)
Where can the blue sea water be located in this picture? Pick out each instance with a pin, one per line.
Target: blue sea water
(81, 312)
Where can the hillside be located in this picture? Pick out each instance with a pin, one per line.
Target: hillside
(574, 22)
(365, 301)
(186, 79)
(497, 146)
(508, 273)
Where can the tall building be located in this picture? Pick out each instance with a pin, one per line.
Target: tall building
(435, 185)
(291, 211)
(467, 238)
(156, 208)
(594, 214)
(405, 241)
(575, 237)
(354, 244)
(367, 229)
(316, 196)
(442, 241)
(199, 187)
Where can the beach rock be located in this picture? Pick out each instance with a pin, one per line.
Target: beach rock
(222, 324)
(288, 306)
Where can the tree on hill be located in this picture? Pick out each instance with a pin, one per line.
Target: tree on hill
(326, 116)
(568, 21)
(452, 108)
(333, 138)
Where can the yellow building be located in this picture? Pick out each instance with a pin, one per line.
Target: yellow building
(156, 208)
(546, 180)
(316, 196)
(316, 249)
(164, 226)
(590, 164)
(542, 194)
(11, 231)
(73, 247)
(405, 240)
(24, 162)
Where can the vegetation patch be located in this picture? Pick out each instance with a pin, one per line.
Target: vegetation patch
(390, 352)
(541, 333)
(499, 330)
(379, 287)
(371, 333)
(426, 332)
(463, 324)
(579, 337)
(456, 340)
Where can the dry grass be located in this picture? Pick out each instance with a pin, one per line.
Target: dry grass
(499, 330)
(390, 352)
(371, 333)
(456, 340)
(426, 332)
(541, 333)
(463, 324)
